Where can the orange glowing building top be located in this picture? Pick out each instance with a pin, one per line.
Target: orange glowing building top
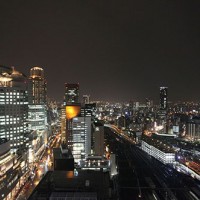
(72, 111)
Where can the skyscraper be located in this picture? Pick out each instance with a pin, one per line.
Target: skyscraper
(63, 123)
(98, 139)
(13, 107)
(80, 143)
(163, 98)
(72, 109)
(37, 111)
(162, 113)
(78, 123)
(71, 93)
(37, 86)
(37, 99)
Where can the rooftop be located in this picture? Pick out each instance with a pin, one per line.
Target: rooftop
(87, 183)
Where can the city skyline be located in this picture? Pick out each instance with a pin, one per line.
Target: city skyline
(116, 51)
(138, 150)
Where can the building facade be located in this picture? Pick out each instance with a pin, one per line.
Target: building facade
(13, 107)
(37, 86)
(163, 98)
(37, 112)
(37, 115)
(161, 155)
(63, 123)
(80, 140)
(7, 161)
(98, 139)
(71, 93)
(13, 171)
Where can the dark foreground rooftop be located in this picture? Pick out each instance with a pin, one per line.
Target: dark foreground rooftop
(65, 185)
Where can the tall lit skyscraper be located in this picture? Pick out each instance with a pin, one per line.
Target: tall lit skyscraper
(78, 124)
(37, 99)
(71, 111)
(37, 86)
(78, 131)
(71, 100)
(163, 98)
(71, 93)
(81, 137)
(37, 110)
(63, 123)
(162, 114)
(13, 107)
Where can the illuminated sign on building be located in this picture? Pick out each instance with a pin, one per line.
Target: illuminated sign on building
(72, 111)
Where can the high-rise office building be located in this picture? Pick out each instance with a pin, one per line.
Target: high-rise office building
(37, 86)
(89, 110)
(13, 107)
(98, 139)
(63, 123)
(71, 93)
(79, 130)
(80, 142)
(37, 110)
(78, 123)
(72, 109)
(163, 98)
(162, 113)
(37, 116)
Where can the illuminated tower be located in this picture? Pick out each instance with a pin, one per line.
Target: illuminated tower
(78, 124)
(38, 86)
(37, 109)
(78, 131)
(162, 114)
(37, 100)
(72, 108)
(71, 93)
(71, 112)
(13, 107)
(63, 123)
(163, 98)
(70, 98)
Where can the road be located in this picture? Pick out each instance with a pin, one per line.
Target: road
(42, 166)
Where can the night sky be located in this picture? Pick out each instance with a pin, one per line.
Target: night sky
(116, 50)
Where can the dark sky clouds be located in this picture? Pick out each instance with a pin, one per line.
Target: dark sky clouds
(117, 50)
